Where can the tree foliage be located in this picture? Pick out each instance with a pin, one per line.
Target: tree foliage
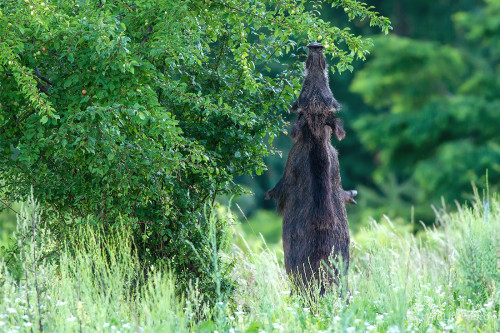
(145, 110)
(435, 127)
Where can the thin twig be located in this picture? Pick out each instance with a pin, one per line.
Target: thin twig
(41, 76)
(26, 116)
(146, 34)
(9, 207)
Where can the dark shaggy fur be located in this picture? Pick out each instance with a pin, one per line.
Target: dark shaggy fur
(310, 194)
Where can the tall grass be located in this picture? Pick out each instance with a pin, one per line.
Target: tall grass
(445, 279)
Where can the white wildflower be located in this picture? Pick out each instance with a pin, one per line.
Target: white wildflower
(28, 324)
(285, 292)
(393, 329)
(2, 323)
(71, 319)
(307, 310)
(105, 325)
(487, 305)
(278, 326)
(350, 329)
(11, 310)
(127, 325)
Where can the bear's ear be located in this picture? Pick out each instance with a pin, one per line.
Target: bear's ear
(339, 129)
(269, 194)
(336, 125)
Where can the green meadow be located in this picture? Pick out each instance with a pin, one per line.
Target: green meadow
(443, 279)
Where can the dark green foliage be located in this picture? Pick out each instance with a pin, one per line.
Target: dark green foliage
(145, 110)
(436, 121)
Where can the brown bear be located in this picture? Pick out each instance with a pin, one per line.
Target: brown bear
(310, 194)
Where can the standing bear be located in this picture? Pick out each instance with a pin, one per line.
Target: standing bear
(309, 194)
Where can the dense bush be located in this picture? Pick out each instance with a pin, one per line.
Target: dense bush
(143, 111)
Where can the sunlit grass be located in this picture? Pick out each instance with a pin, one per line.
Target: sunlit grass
(446, 279)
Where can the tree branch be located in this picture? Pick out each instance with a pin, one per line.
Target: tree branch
(146, 34)
(41, 76)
